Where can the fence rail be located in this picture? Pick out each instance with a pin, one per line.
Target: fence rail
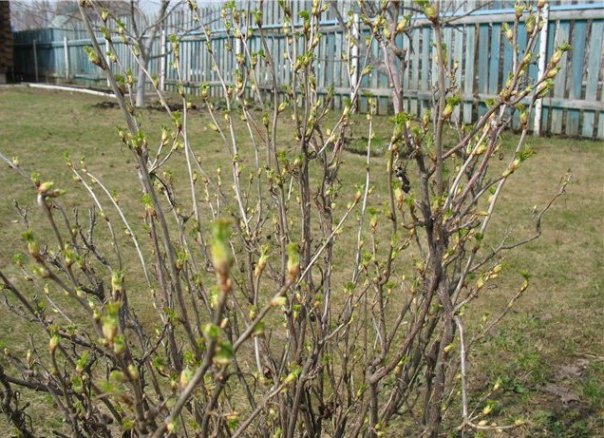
(476, 43)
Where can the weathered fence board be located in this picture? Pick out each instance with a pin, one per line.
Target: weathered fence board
(482, 54)
(551, 34)
(576, 78)
(494, 80)
(593, 71)
(469, 62)
(414, 68)
(458, 55)
(562, 36)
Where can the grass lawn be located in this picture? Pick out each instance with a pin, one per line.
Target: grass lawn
(547, 355)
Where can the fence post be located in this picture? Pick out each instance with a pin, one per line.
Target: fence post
(35, 47)
(108, 61)
(162, 61)
(66, 50)
(354, 58)
(542, 55)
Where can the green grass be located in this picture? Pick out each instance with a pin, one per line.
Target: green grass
(559, 320)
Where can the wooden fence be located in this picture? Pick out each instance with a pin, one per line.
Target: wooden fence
(575, 107)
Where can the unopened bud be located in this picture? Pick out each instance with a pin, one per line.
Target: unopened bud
(447, 111)
(551, 73)
(221, 251)
(185, 377)
(293, 262)
(109, 328)
(133, 371)
(431, 11)
(54, 342)
(524, 119)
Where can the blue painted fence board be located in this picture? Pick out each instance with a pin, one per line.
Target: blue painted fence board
(415, 68)
(594, 63)
(470, 32)
(458, 54)
(562, 35)
(424, 80)
(521, 43)
(494, 80)
(551, 34)
(576, 79)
